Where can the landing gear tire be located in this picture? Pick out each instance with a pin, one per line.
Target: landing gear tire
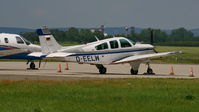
(102, 70)
(134, 72)
(150, 71)
(32, 65)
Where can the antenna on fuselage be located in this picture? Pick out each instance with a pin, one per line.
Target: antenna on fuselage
(96, 38)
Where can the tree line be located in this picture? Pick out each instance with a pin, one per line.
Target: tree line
(177, 37)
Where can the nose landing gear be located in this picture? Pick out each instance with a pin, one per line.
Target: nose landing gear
(149, 70)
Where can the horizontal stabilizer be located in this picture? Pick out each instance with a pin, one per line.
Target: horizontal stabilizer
(58, 55)
(146, 56)
(37, 54)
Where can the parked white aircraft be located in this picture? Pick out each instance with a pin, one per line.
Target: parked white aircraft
(13, 46)
(117, 50)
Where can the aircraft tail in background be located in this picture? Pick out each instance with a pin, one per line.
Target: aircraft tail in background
(47, 41)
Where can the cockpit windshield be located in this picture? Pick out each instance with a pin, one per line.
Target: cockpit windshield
(131, 42)
(26, 41)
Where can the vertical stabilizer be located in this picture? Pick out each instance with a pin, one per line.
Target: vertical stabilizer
(47, 41)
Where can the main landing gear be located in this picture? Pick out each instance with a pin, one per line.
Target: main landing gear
(134, 67)
(134, 72)
(101, 68)
(149, 70)
(32, 66)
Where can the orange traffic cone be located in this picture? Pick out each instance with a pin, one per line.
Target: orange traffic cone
(59, 68)
(67, 68)
(172, 72)
(191, 72)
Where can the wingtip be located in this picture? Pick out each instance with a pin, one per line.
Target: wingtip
(178, 52)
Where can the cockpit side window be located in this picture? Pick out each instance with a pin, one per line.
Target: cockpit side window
(6, 40)
(114, 44)
(124, 43)
(19, 40)
(102, 46)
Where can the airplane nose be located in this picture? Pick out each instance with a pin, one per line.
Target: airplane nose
(151, 46)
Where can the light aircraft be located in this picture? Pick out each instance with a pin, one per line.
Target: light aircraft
(14, 46)
(116, 50)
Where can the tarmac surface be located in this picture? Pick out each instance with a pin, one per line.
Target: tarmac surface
(48, 71)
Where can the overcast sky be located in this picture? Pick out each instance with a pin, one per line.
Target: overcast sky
(164, 14)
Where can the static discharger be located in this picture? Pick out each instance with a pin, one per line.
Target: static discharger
(66, 68)
(59, 68)
(172, 71)
(191, 72)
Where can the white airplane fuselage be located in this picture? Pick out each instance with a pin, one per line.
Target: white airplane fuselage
(88, 53)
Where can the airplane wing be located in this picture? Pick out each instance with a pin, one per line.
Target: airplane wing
(52, 55)
(58, 55)
(145, 56)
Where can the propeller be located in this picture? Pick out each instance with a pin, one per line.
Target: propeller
(152, 39)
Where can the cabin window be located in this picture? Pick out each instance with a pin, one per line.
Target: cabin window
(102, 46)
(124, 43)
(114, 44)
(19, 40)
(6, 40)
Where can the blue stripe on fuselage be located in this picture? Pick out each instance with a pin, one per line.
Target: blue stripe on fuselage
(23, 56)
(3, 48)
(111, 52)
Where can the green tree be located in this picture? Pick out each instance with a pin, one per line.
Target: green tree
(99, 35)
(73, 34)
(181, 34)
(59, 35)
(31, 36)
(159, 36)
(86, 36)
